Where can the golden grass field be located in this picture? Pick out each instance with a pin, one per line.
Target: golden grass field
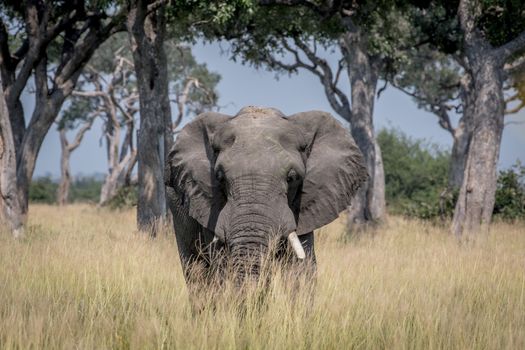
(83, 279)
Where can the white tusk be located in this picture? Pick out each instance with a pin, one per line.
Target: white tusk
(215, 239)
(296, 245)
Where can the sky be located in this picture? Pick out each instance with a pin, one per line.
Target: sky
(243, 85)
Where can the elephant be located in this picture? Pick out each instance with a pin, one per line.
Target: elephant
(234, 183)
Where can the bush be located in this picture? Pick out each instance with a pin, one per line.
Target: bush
(85, 189)
(43, 190)
(510, 194)
(126, 197)
(416, 175)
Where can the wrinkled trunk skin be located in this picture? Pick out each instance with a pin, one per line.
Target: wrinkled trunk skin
(369, 203)
(65, 172)
(253, 222)
(475, 203)
(154, 139)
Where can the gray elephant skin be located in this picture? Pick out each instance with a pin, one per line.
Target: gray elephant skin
(236, 183)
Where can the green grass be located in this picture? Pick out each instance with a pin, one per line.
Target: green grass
(83, 279)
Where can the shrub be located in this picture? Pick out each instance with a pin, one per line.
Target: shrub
(510, 194)
(416, 174)
(43, 190)
(85, 189)
(126, 197)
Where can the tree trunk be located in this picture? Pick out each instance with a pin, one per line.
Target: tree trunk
(112, 183)
(475, 203)
(458, 156)
(147, 33)
(378, 203)
(363, 70)
(11, 214)
(117, 178)
(65, 173)
(462, 135)
(44, 114)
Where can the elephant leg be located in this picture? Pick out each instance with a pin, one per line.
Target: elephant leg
(195, 252)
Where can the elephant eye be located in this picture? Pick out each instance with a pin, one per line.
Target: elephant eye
(292, 176)
(219, 175)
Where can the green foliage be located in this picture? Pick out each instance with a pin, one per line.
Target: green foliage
(416, 181)
(416, 174)
(43, 190)
(502, 20)
(431, 78)
(77, 112)
(510, 194)
(126, 197)
(85, 189)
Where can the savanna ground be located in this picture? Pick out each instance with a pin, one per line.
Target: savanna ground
(82, 279)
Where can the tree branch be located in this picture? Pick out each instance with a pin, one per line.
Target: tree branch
(516, 66)
(440, 109)
(5, 55)
(514, 46)
(182, 98)
(80, 134)
(325, 11)
(515, 109)
(337, 98)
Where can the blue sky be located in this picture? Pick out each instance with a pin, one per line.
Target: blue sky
(243, 85)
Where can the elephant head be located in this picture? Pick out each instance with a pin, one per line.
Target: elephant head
(259, 174)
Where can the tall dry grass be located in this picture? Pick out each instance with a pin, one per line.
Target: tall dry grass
(82, 279)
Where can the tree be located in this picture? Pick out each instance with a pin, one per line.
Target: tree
(484, 38)
(116, 97)
(110, 79)
(51, 40)
(147, 28)
(80, 113)
(438, 84)
(492, 34)
(295, 35)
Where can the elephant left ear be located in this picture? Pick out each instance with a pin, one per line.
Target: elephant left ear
(335, 170)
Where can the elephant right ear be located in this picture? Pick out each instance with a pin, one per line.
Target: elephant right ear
(189, 169)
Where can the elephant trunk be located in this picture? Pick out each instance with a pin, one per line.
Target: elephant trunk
(249, 244)
(259, 216)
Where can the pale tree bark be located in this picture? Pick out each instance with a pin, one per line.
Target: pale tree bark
(82, 34)
(10, 207)
(65, 156)
(147, 27)
(485, 65)
(461, 133)
(363, 72)
(475, 203)
(458, 155)
(118, 112)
